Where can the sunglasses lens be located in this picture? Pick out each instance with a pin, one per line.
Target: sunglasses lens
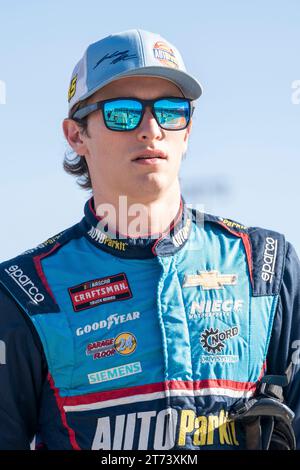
(122, 115)
(172, 113)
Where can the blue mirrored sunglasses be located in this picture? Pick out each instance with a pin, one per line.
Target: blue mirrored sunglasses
(126, 114)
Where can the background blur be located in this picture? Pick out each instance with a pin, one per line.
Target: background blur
(243, 159)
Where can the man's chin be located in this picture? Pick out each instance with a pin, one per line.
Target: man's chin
(148, 188)
(152, 185)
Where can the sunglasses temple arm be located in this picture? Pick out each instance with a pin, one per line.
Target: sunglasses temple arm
(83, 112)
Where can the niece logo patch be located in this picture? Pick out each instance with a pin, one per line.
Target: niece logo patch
(100, 291)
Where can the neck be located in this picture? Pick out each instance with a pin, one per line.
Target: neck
(138, 218)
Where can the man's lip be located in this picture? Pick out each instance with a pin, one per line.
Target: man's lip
(150, 154)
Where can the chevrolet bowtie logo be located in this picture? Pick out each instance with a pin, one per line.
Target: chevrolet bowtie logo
(209, 280)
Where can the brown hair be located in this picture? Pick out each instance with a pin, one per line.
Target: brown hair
(74, 164)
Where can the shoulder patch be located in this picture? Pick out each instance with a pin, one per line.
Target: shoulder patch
(61, 238)
(231, 224)
(265, 251)
(46, 244)
(268, 259)
(23, 277)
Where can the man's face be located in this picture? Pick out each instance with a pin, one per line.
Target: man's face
(111, 156)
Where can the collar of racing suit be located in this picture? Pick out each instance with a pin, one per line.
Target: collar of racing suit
(142, 248)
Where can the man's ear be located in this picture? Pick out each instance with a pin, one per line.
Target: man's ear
(73, 135)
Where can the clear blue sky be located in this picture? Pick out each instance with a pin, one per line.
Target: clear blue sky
(243, 159)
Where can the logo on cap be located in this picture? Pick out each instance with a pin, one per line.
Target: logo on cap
(72, 88)
(165, 55)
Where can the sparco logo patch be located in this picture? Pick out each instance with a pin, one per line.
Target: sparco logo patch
(100, 291)
(270, 253)
(213, 341)
(25, 283)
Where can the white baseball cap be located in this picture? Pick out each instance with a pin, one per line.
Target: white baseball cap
(126, 54)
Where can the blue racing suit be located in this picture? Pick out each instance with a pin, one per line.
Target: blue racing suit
(111, 343)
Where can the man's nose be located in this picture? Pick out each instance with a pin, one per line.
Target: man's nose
(148, 128)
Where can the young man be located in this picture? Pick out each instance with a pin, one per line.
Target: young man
(147, 325)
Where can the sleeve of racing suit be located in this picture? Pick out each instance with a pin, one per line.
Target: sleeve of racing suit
(22, 373)
(285, 340)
